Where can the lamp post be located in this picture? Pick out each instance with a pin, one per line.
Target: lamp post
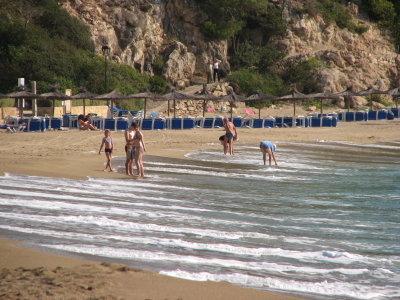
(106, 51)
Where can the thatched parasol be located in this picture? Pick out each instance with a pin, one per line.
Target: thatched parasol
(23, 93)
(322, 96)
(205, 95)
(259, 96)
(113, 96)
(371, 91)
(55, 95)
(174, 95)
(294, 95)
(232, 97)
(84, 94)
(145, 95)
(349, 92)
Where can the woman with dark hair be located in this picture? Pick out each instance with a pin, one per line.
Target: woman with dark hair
(83, 124)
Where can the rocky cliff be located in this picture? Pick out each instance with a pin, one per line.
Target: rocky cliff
(359, 60)
(163, 36)
(145, 34)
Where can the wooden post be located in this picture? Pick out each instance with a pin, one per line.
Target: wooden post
(321, 106)
(34, 101)
(54, 109)
(174, 109)
(294, 108)
(145, 105)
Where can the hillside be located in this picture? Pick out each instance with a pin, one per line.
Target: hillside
(265, 45)
(168, 38)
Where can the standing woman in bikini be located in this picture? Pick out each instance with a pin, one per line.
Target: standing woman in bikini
(139, 148)
(129, 149)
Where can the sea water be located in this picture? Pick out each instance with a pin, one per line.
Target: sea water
(324, 224)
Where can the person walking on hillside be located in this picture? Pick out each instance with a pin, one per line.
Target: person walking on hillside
(216, 70)
(230, 135)
(209, 70)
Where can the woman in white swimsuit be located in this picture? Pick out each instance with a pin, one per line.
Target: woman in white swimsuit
(139, 148)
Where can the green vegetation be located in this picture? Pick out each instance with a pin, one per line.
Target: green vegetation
(41, 42)
(387, 14)
(302, 74)
(333, 11)
(379, 99)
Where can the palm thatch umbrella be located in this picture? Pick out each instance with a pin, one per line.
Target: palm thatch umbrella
(145, 95)
(55, 95)
(174, 95)
(322, 96)
(83, 94)
(113, 96)
(294, 95)
(349, 92)
(259, 96)
(371, 91)
(23, 93)
(205, 95)
(232, 97)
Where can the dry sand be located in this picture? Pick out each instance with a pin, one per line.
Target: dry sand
(30, 274)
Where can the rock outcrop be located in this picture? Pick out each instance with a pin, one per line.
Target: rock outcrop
(350, 59)
(140, 33)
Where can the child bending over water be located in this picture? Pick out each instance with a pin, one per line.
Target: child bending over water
(268, 147)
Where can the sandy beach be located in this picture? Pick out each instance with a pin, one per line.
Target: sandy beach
(32, 274)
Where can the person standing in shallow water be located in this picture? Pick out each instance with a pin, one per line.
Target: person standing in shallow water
(139, 149)
(267, 147)
(129, 149)
(224, 143)
(108, 148)
(230, 134)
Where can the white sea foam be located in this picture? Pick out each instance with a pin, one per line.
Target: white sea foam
(124, 253)
(338, 289)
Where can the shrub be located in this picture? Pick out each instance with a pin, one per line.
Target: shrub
(251, 80)
(302, 74)
(158, 65)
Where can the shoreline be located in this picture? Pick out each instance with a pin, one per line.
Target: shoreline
(70, 154)
(47, 275)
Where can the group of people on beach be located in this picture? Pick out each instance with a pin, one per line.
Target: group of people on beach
(230, 136)
(134, 149)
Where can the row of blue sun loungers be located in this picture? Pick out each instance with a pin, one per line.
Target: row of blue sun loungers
(155, 123)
